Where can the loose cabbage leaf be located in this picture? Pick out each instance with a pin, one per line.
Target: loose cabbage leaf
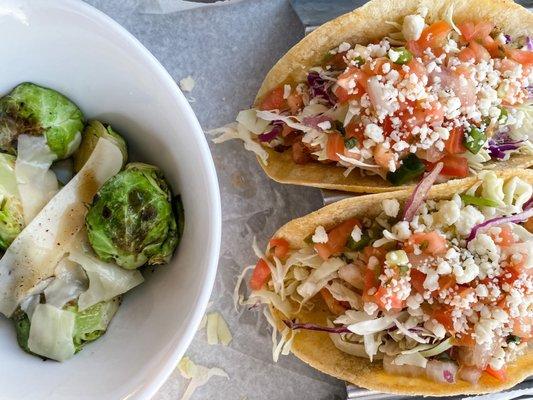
(106, 280)
(51, 332)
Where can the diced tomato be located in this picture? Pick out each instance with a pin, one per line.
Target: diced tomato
(492, 46)
(465, 339)
(467, 30)
(500, 374)
(357, 74)
(295, 102)
(417, 68)
(342, 95)
(375, 67)
(371, 251)
(260, 275)
(454, 166)
(355, 129)
(475, 52)
(433, 37)
(333, 304)
(505, 237)
(471, 31)
(337, 238)
(529, 224)
(382, 298)
(280, 246)
(273, 100)
(417, 280)
(466, 54)
(454, 144)
(446, 282)
(522, 327)
(300, 153)
(430, 243)
(481, 52)
(337, 61)
(524, 57)
(443, 314)
(383, 155)
(335, 146)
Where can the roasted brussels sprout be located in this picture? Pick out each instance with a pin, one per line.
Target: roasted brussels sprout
(89, 324)
(34, 110)
(11, 212)
(131, 220)
(94, 131)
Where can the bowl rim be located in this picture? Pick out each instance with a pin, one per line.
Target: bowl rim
(148, 387)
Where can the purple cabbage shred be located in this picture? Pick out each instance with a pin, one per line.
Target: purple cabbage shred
(314, 327)
(273, 133)
(319, 87)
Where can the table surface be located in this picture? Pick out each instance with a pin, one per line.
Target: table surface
(228, 49)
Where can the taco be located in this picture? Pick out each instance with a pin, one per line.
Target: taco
(371, 100)
(377, 288)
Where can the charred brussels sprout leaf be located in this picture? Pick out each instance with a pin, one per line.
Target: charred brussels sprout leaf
(131, 220)
(22, 328)
(11, 212)
(89, 324)
(94, 131)
(92, 322)
(34, 110)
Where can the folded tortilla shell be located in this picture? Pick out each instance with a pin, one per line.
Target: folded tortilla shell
(364, 25)
(316, 348)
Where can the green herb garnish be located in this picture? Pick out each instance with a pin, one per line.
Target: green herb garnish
(474, 139)
(412, 167)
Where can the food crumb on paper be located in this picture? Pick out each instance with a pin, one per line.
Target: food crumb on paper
(187, 84)
(217, 330)
(198, 374)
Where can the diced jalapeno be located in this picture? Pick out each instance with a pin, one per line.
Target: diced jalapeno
(400, 55)
(513, 339)
(474, 139)
(358, 61)
(478, 201)
(410, 169)
(350, 143)
(360, 245)
(504, 114)
(339, 126)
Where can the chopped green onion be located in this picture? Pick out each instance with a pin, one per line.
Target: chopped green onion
(410, 169)
(504, 114)
(404, 55)
(478, 201)
(360, 245)
(350, 143)
(474, 140)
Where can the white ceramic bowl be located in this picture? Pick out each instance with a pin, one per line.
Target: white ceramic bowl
(71, 47)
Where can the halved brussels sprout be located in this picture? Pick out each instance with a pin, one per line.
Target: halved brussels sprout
(89, 324)
(94, 131)
(131, 220)
(35, 110)
(11, 212)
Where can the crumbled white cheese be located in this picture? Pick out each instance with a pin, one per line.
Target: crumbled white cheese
(320, 235)
(356, 233)
(412, 28)
(374, 132)
(391, 207)
(187, 84)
